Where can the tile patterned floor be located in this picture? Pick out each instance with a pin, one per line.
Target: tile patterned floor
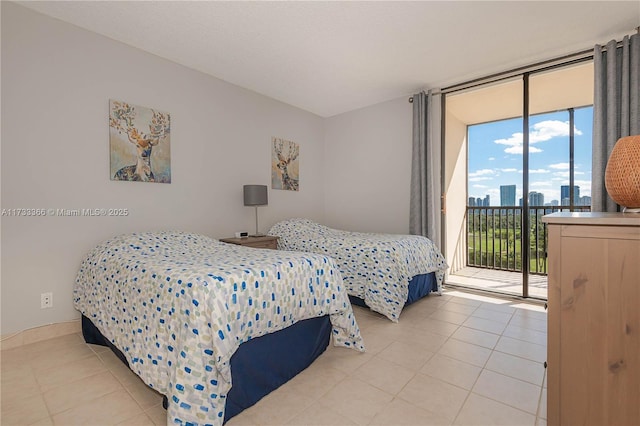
(456, 359)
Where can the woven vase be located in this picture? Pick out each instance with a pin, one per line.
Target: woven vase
(622, 175)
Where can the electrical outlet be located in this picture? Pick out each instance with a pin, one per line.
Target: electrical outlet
(46, 300)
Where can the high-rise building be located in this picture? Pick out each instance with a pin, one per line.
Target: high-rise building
(584, 201)
(565, 194)
(536, 198)
(507, 195)
(479, 202)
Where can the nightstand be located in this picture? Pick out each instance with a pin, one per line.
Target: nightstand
(267, 241)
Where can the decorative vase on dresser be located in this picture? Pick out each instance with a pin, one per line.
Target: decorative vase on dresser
(593, 346)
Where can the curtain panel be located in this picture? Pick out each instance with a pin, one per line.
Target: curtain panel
(616, 109)
(425, 201)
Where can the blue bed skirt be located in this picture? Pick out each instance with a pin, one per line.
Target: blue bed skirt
(260, 365)
(419, 287)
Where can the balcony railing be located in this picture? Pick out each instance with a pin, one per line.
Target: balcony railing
(494, 237)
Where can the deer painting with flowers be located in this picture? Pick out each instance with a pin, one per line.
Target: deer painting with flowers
(285, 171)
(126, 120)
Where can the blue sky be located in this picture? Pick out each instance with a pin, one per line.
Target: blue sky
(495, 155)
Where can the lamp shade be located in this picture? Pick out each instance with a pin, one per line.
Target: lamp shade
(255, 195)
(622, 175)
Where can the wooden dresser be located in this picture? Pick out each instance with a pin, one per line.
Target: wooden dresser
(593, 351)
(266, 241)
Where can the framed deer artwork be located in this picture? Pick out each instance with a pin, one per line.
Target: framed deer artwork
(285, 164)
(139, 141)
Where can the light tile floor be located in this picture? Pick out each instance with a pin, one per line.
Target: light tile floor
(460, 358)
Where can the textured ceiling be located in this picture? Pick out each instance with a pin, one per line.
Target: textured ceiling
(336, 56)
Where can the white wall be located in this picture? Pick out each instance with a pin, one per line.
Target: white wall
(368, 182)
(57, 80)
(455, 184)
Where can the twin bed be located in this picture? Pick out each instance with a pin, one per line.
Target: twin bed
(382, 271)
(178, 306)
(193, 316)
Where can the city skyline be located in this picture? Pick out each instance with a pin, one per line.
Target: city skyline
(496, 148)
(507, 198)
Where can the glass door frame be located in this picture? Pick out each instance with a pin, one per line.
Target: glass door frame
(525, 73)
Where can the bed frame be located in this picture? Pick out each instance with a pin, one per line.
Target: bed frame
(260, 365)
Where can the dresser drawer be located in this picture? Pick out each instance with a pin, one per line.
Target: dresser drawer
(264, 242)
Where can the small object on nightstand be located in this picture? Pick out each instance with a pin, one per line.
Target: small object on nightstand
(242, 234)
(267, 241)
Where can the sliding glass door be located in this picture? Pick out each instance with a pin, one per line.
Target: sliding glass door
(526, 152)
(559, 157)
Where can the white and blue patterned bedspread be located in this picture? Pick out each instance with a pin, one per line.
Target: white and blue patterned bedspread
(178, 305)
(375, 267)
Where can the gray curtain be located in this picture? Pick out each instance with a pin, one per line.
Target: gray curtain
(616, 109)
(425, 201)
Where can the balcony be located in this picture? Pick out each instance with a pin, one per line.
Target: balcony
(494, 249)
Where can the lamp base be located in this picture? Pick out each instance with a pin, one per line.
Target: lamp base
(258, 234)
(631, 210)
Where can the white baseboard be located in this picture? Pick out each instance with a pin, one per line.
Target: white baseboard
(37, 334)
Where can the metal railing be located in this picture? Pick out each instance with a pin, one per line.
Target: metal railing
(494, 237)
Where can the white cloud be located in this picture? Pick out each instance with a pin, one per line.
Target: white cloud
(480, 186)
(585, 187)
(514, 140)
(541, 184)
(551, 194)
(479, 178)
(509, 170)
(492, 158)
(549, 129)
(559, 166)
(518, 149)
(482, 172)
(538, 171)
(539, 132)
